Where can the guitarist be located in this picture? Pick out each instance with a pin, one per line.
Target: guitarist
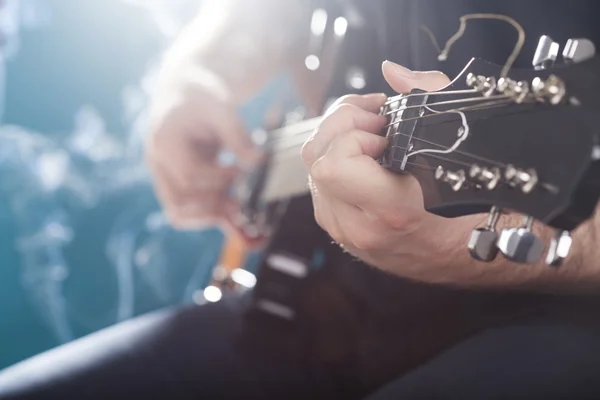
(435, 324)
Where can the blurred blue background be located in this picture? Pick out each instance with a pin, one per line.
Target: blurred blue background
(83, 244)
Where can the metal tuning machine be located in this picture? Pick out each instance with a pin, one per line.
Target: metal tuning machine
(546, 53)
(482, 243)
(559, 248)
(456, 180)
(578, 50)
(521, 245)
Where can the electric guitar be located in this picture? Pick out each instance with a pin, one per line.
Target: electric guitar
(524, 140)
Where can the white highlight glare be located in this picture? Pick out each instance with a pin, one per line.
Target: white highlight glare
(564, 245)
(312, 62)
(319, 22)
(287, 265)
(244, 278)
(356, 79)
(212, 294)
(340, 26)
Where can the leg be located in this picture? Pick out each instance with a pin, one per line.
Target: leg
(545, 361)
(188, 354)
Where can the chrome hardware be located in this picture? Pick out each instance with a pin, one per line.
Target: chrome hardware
(489, 177)
(482, 243)
(519, 91)
(489, 86)
(526, 180)
(521, 245)
(552, 89)
(578, 50)
(480, 83)
(454, 179)
(559, 248)
(545, 53)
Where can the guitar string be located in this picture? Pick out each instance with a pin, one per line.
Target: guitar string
(484, 106)
(495, 101)
(391, 100)
(298, 143)
(490, 99)
(400, 97)
(457, 101)
(443, 55)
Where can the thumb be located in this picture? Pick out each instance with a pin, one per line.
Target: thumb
(403, 80)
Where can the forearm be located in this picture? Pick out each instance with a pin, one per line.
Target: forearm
(453, 265)
(234, 46)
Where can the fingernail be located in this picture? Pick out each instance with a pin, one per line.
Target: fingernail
(400, 70)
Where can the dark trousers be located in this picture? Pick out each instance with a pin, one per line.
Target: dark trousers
(193, 354)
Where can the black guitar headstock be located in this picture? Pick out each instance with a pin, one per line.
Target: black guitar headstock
(527, 142)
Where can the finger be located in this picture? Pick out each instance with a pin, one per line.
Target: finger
(346, 117)
(189, 169)
(181, 202)
(324, 213)
(235, 137)
(349, 172)
(369, 102)
(403, 80)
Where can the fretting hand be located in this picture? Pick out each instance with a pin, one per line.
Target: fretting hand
(373, 213)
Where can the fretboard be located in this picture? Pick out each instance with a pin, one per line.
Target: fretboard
(287, 176)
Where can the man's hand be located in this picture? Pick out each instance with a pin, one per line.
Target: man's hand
(379, 216)
(192, 122)
(373, 213)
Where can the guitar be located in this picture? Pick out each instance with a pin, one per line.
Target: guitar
(528, 142)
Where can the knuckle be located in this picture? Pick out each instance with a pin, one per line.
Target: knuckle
(347, 99)
(398, 221)
(308, 150)
(338, 112)
(336, 234)
(323, 170)
(346, 110)
(365, 240)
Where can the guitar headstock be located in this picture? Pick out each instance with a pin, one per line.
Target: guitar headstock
(528, 142)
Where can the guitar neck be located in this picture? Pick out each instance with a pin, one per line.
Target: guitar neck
(286, 174)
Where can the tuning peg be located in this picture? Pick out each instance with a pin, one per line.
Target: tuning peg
(560, 245)
(545, 53)
(577, 50)
(521, 244)
(456, 179)
(482, 243)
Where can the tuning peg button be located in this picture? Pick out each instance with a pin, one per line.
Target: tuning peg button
(559, 248)
(482, 243)
(545, 53)
(578, 50)
(521, 245)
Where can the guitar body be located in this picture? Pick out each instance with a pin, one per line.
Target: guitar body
(333, 309)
